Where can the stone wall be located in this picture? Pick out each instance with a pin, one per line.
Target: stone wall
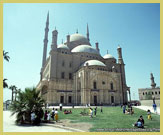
(149, 102)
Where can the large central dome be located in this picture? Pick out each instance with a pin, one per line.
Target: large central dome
(85, 48)
(78, 38)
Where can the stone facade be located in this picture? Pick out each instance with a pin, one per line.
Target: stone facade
(75, 73)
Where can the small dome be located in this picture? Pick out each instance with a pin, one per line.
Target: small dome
(108, 56)
(93, 63)
(63, 46)
(85, 48)
(80, 39)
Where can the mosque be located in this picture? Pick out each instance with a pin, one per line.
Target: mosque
(75, 73)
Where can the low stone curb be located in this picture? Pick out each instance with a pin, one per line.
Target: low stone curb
(63, 127)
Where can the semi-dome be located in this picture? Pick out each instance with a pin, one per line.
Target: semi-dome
(79, 38)
(85, 48)
(93, 63)
(62, 46)
(108, 56)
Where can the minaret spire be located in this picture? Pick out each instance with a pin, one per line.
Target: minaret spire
(153, 84)
(88, 32)
(45, 41)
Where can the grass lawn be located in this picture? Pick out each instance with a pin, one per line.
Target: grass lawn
(111, 118)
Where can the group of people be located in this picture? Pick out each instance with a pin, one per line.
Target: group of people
(91, 111)
(140, 122)
(48, 116)
(38, 116)
(127, 111)
(67, 112)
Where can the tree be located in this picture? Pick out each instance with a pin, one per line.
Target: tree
(5, 85)
(5, 56)
(13, 88)
(27, 101)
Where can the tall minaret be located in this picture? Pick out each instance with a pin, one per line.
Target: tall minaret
(153, 84)
(123, 77)
(120, 59)
(54, 40)
(45, 41)
(88, 33)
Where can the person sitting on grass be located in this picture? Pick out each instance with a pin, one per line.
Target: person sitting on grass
(67, 112)
(140, 122)
(149, 115)
(127, 111)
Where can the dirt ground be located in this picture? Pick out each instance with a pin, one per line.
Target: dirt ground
(81, 126)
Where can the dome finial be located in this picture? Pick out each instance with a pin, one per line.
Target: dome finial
(119, 46)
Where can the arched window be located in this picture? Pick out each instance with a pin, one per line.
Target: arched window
(70, 76)
(63, 75)
(156, 92)
(143, 93)
(152, 93)
(94, 85)
(111, 86)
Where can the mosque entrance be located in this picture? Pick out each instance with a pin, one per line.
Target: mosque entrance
(62, 99)
(112, 99)
(95, 100)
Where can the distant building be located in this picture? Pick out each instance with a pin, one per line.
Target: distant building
(149, 95)
(75, 73)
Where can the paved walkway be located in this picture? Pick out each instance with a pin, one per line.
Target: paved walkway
(9, 126)
(148, 108)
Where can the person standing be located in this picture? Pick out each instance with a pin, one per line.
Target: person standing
(56, 115)
(33, 116)
(53, 112)
(60, 106)
(95, 110)
(91, 112)
(124, 109)
(45, 116)
(101, 110)
(48, 116)
(155, 107)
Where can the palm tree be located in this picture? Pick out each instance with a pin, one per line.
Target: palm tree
(5, 85)
(13, 88)
(27, 101)
(5, 56)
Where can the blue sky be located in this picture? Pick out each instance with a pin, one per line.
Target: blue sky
(135, 27)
